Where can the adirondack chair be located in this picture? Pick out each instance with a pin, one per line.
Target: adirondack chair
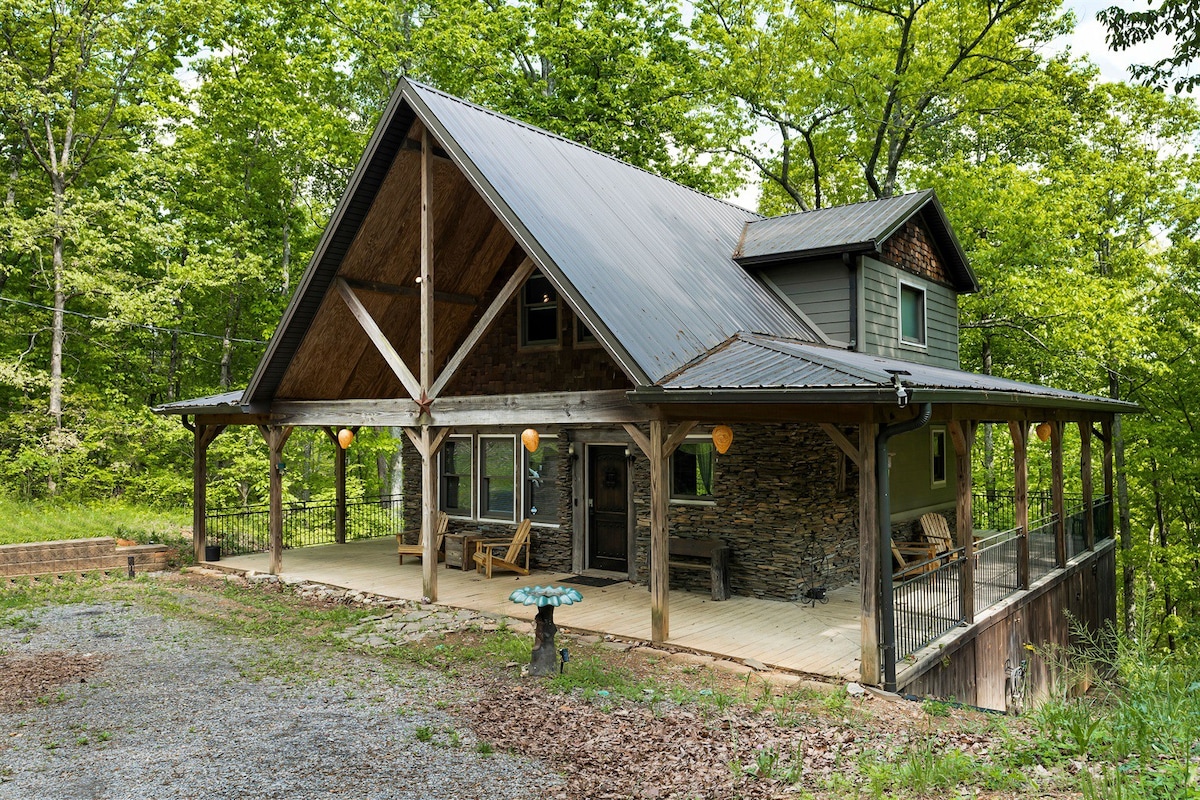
(488, 552)
(937, 532)
(440, 522)
(913, 558)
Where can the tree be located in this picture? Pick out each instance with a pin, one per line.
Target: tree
(1179, 19)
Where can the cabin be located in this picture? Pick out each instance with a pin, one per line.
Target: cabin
(482, 278)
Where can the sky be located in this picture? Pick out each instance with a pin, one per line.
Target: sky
(1088, 39)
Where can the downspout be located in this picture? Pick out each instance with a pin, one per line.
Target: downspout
(887, 616)
(852, 268)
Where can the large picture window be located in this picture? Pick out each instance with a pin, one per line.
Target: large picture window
(497, 477)
(912, 314)
(539, 312)
(455, 490)
(692, 470)
(541, 486)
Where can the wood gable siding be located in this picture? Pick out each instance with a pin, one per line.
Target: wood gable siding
(880, 317)
(821, 289)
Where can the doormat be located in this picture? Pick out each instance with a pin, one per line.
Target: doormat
(588, 580)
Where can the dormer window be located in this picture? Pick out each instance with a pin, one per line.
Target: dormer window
(912, 315)
(539, 312)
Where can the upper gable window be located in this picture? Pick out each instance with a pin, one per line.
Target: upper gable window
(539, 312)
(912, 315)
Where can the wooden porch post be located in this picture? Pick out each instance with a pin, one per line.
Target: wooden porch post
(202, 437)
(1106, 430)
(1058, 501)
(963, 434)
(339, 487)
(1019, 431)
(1085, 467)
(660, 625)
(869, 555)
(276, 437)
(428, 444)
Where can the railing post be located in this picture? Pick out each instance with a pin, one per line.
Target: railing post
(1019, 432)
(963, 434)
(1085, 467)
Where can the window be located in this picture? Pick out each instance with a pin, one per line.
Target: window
(539, 312)
(692, 470)
(937, 457)
(912, 315)
(497, 477)
(455, 491)
(541, 484)
(583, 335)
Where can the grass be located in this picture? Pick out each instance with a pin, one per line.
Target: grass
(27, 521)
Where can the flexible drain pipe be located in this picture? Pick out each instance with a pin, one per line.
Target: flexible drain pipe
(887, 615)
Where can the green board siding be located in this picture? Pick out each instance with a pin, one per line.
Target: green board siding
(821, 289)
(881, 316)
(911, 478)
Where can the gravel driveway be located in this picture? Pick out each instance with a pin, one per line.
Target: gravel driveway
(173, 710)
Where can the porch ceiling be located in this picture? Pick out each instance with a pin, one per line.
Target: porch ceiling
(472, 250)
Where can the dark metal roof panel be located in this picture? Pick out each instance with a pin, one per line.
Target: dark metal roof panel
(858, 225)
(759, 362)
(650, 260)
(224, 403)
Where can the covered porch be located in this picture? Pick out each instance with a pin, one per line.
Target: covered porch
(822, 639)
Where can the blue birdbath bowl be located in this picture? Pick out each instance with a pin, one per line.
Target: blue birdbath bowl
(546, 598)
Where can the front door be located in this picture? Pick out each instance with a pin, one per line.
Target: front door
(608, 508)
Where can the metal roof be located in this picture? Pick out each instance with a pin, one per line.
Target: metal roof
(762, 363)
(645, 261)
(224, 403)
(855, 228)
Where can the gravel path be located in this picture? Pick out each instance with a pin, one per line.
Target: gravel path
(174, 711)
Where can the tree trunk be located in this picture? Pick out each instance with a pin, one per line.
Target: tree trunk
(989, 444)
(57, 332)
(1160, 518)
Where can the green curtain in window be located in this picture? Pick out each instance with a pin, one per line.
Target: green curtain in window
(704, 466)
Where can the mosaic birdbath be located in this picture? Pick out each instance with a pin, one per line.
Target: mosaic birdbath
(546, 598)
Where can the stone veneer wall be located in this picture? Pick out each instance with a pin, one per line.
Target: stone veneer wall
(913, 249)
(550, 548)
(775, 488)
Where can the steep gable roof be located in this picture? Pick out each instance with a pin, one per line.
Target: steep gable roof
(645, 262)
(856, 228)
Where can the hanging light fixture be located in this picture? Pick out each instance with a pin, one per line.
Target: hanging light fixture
(345, 438)
(530, 438)
(1043, 431)
(722, 437)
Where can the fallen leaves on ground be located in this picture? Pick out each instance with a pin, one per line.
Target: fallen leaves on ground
(27, 677)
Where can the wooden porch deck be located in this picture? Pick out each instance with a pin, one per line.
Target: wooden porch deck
(818, 641)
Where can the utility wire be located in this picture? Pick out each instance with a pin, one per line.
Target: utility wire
(142, 326)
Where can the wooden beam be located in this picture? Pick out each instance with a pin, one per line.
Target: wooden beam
(1107, 468)
(417, 147)
(1058, 500)
(276, 437)
(511, 287)
(963, 435)
(843, 443)
(339, 487)
(1019, 432)
(677, 436)
(202, 437)
(868, 559)
(379, 287)
(375, 334)
(552, 408)
(660, 626)
(1085, 470)
(426, 262)
(428, 510)
(639, 438)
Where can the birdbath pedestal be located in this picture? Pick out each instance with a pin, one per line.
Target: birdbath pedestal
(546, 598)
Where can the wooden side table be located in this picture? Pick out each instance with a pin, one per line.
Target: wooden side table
(460, 548)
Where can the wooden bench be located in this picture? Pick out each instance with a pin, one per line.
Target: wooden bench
(703, 554)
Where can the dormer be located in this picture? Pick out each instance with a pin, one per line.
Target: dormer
(880, 277)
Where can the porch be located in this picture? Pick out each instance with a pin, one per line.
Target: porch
(821, 640)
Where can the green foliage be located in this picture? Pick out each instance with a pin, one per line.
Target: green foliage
(45, 522)
(922, 768)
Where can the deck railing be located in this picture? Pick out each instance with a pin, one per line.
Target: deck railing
(246, 529)
(927, 597)
(997, 511)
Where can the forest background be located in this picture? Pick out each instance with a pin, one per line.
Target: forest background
(168, 165)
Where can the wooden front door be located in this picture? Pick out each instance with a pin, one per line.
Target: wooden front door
(608, 508)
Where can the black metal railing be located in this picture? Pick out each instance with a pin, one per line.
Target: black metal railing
(1042, 547)
(997, 511)
(246, 529)
(997, 568)
(1076, 529)
(1102, 514)
(927, 602)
